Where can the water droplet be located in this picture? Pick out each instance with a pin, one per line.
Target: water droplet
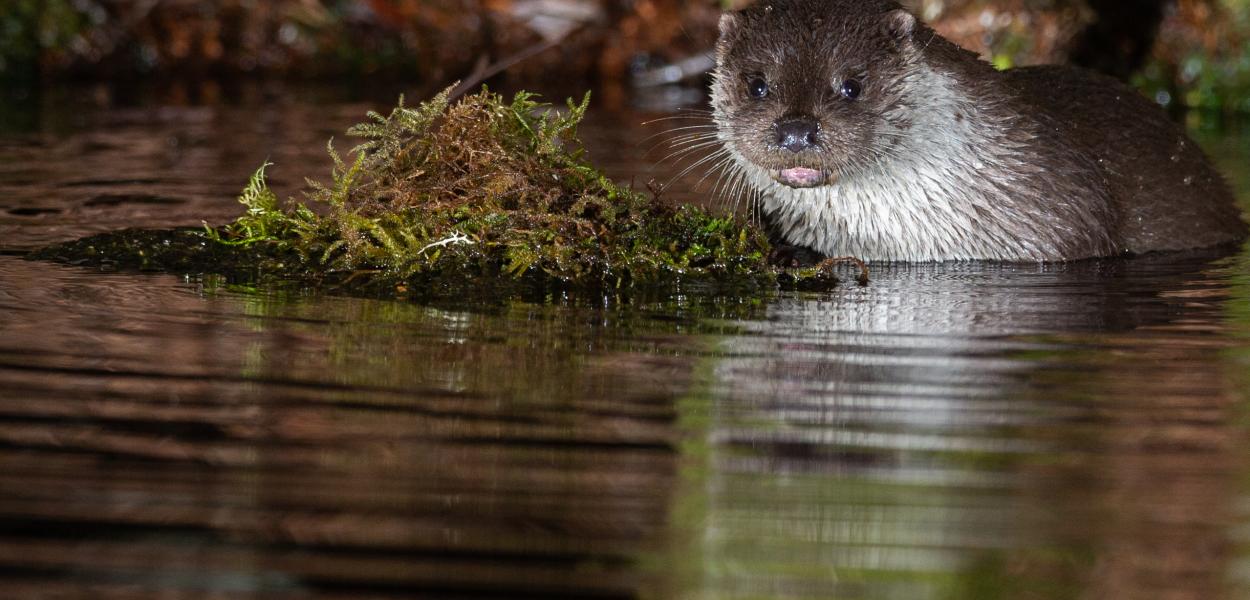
(1176, 158)
(1189, 180)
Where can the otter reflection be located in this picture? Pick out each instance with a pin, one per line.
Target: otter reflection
(1066, 430)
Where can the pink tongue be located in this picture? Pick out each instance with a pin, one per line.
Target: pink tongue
(801, 176)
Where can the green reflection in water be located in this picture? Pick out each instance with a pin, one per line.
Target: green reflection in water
(1238, 360)
(1123, 482)
(1231, 149)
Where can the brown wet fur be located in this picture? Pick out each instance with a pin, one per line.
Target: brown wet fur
(1103, 170)
(1165, 193)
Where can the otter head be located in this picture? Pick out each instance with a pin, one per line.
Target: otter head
(806, 89)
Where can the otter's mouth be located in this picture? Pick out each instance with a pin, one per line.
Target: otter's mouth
(801, 177)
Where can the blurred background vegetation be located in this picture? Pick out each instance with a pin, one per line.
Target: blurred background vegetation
(1181, 52)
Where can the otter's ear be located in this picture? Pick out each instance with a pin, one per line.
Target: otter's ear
(901, 24)
(728, 22)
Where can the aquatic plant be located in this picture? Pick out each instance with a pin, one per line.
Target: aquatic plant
(486, 187)
(481, 194)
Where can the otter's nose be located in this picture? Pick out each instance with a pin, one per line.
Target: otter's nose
(797, 135)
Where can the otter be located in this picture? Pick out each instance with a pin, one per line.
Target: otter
(862, 132)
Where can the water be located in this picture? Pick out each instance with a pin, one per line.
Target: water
(949, 431)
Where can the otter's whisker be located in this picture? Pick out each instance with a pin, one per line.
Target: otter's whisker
(684, 138)
(719, 165)
(688, 150)
(702, 127)
(676, 118)
(715, 193)
(681, 145)
(696, 164)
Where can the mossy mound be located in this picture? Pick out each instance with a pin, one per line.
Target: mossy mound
(442, 198)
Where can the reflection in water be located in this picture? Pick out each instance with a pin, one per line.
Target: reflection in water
(997, 432)
(157, 434)
(949, 431)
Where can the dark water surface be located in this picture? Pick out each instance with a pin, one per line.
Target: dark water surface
(962, 431)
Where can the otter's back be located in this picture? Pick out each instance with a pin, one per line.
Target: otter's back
(1167, 193)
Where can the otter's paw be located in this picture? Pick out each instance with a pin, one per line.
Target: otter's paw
(793, 257)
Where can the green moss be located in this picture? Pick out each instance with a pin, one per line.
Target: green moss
(485, 193)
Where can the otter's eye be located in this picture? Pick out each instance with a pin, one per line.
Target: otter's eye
(757, 87)
(850, 89)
